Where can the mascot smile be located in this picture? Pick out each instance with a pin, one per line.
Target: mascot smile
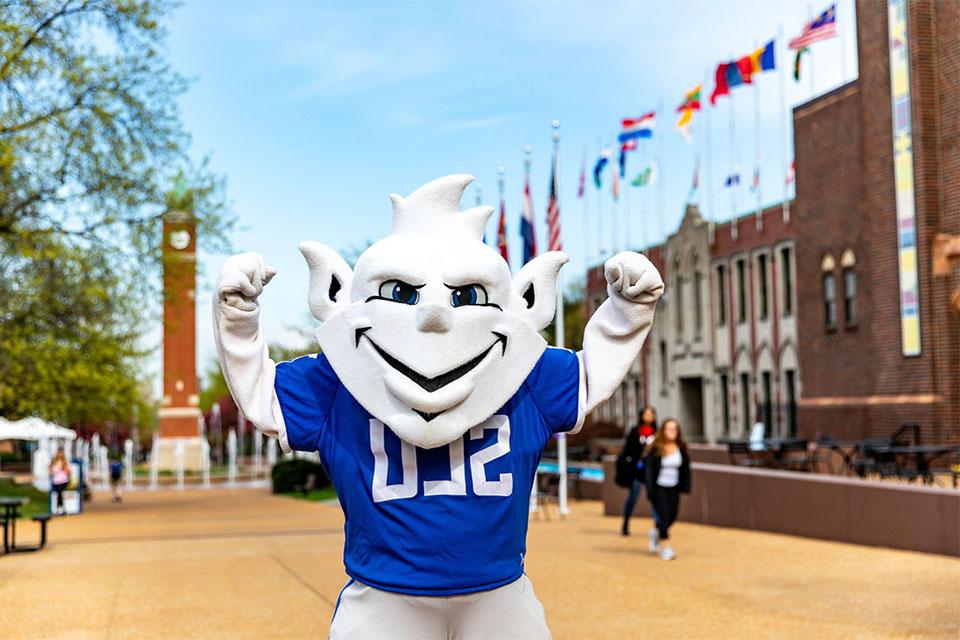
(429, 404)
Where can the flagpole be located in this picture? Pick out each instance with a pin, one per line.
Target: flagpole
(660, 178)
(708, 178)
(756, 146)
(626, 213)
(587, 256)
(734, 231)
(783, 124)
(501, 183)
(559, 329)
(599, 216)
(614, 206)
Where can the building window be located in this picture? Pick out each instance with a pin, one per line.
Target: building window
(697, 307)
(745, 402)
(848, 262)
(721, 295)
(678, 293)
(829, 301)
(762, 283)
(827, 266)
(663, 367)
(741, 291)
(791, 409)
(767, 408)
(786, 270)
(725, 399)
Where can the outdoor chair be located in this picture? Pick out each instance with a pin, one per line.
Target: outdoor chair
(548, 490)
(795, 456)
(741, 455)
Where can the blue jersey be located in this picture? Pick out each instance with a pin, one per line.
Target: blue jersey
(440, 521)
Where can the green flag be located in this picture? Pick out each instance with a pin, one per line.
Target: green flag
(645, 177)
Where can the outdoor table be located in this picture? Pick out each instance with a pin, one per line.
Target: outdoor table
(847, 450)
(11, 511)
(925, 454)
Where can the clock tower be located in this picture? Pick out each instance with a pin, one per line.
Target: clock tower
(180, 416)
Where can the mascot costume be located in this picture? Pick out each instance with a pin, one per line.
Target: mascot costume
(430, 403)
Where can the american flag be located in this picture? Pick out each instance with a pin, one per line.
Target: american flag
(823, 27)
(502, 232)
(553, 211)
(526, 225)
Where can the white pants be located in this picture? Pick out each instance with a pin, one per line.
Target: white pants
(511, 611)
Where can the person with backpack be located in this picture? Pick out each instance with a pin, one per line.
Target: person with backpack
(630, 462)
(116, 473)
(667, 470)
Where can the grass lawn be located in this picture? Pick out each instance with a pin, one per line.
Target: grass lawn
(316, 495)
(38, 499)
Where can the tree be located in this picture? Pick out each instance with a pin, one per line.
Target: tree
(90, 143)
(68, 335)
(574, 319)
(90, 135)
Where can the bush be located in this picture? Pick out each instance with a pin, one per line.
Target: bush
(298, 475)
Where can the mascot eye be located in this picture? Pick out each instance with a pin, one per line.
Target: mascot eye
(469, 294)
(399, 291)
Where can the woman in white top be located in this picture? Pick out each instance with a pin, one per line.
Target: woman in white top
(667, 467)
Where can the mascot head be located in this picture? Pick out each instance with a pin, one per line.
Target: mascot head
(429, 332)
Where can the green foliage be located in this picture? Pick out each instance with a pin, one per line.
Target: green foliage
(90, 133)
(574, 319)
(293, 475)
(90, 144)
(68, 334)
(316, 495)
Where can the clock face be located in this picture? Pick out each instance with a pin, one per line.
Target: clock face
(179, 240)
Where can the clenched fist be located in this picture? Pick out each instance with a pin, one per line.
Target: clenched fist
(242, 279)
(633, 277)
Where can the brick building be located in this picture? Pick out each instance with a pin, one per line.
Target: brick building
(722, 352)
(829, 319)
(878, 341)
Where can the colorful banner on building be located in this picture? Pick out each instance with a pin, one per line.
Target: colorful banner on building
(903, 177)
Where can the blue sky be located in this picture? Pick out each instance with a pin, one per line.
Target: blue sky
(316, 111)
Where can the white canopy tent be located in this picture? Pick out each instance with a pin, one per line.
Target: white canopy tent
(34, 429)
(45, 434)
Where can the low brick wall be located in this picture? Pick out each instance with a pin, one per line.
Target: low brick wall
(882, 514)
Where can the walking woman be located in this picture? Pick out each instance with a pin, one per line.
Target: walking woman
(60, 478)
(667, 467)
(630, 462)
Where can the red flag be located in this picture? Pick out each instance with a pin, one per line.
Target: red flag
(502, 232)
(721, 88)
(553, 212)
(745, 65)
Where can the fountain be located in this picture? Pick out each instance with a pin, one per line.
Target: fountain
(271, 453)
(153, 463)
(103, 465)
(178, 460)
(206, 463)
(128, 463)
(232, 458)
(257, 453)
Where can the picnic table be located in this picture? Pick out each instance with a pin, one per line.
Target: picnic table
(777, 452)
(11, 511)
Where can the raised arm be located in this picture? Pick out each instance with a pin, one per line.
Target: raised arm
(241, 347)
(616, 331)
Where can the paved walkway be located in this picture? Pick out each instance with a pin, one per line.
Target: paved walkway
(245, 564)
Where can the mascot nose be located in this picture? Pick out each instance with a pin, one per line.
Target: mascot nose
(433, 317)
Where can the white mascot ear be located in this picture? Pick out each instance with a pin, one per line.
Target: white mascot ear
(330, 280)
(535, 289)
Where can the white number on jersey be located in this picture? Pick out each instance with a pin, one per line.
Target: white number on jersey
(457, 484)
